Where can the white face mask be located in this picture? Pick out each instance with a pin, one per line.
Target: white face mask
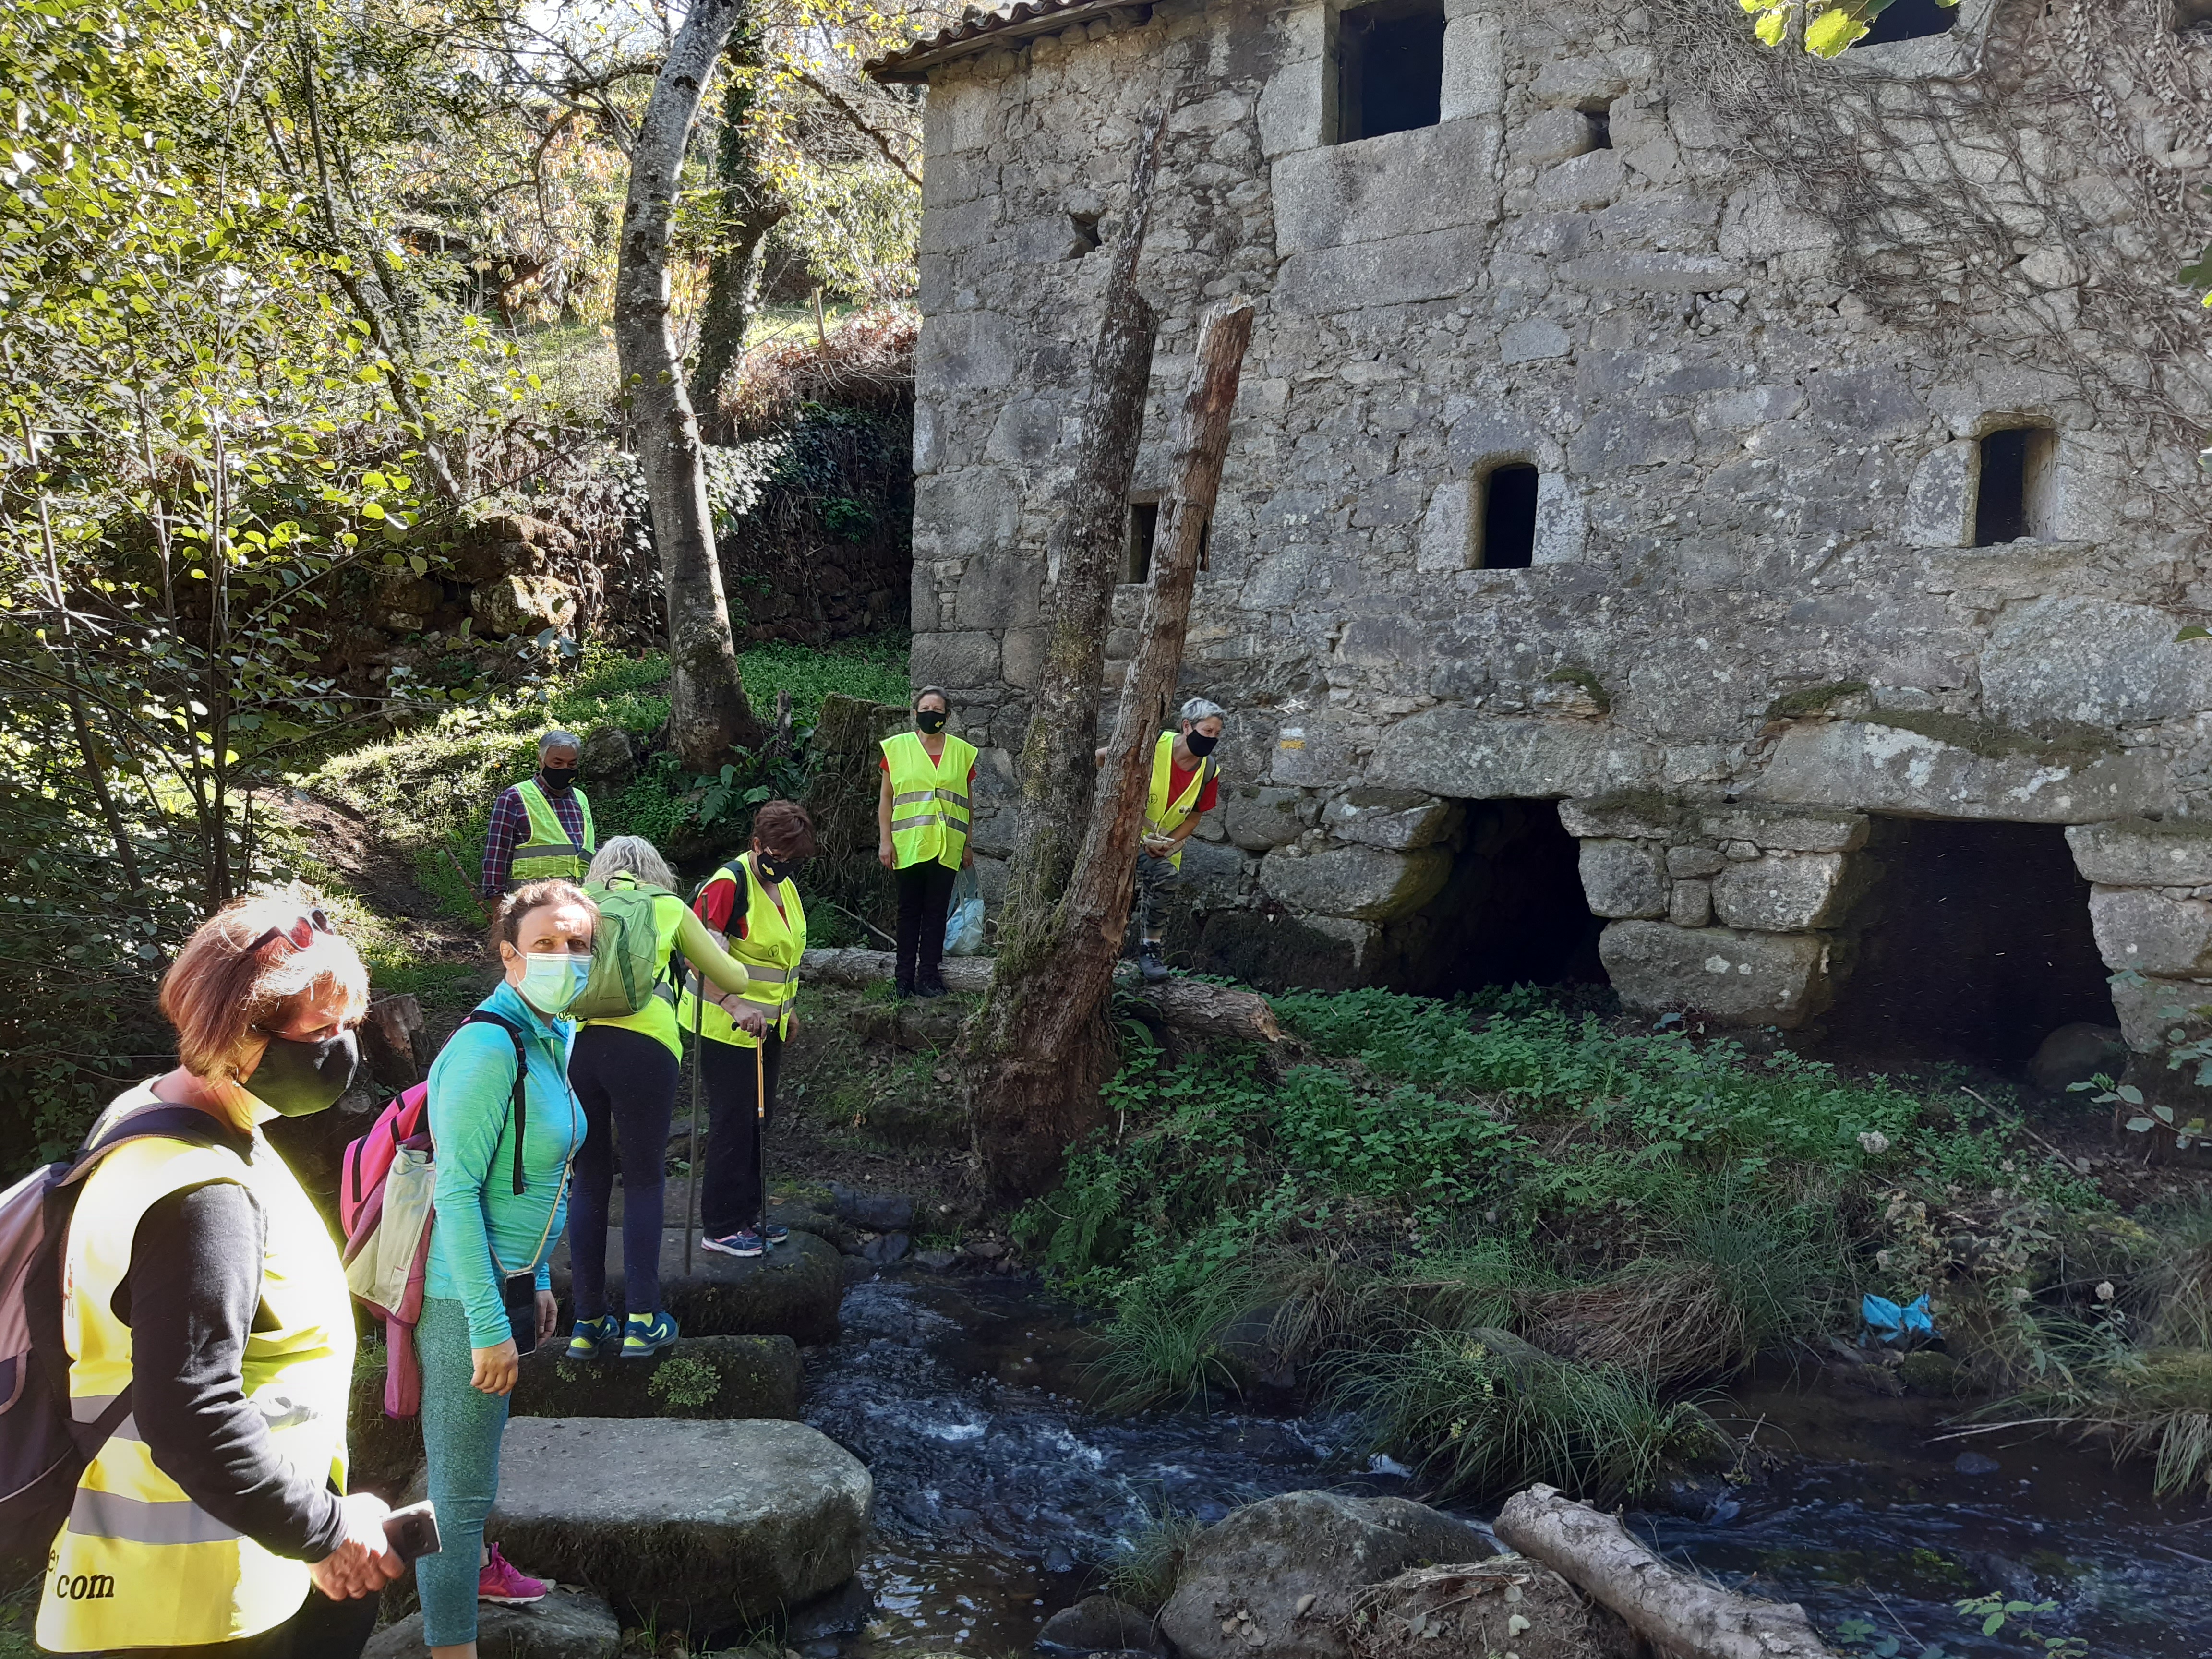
(551, 980)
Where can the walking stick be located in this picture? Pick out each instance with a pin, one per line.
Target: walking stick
(760, 1126)
(698, 1064)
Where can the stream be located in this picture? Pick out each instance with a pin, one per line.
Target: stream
(998, 1492)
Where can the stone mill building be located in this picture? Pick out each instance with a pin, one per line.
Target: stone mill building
(1696, 517)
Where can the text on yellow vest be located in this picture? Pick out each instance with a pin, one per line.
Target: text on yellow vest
(775, 941)
(549, 852)
(929, 800)
(1162, 816)
(138, 1557)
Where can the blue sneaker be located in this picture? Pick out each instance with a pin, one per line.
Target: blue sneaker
(773, 1234)
(646, 1335)
(745, 1242)
(588, 1336)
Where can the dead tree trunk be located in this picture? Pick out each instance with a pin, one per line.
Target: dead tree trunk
(708, 710)
(1040, 1090)
(1674, 1611)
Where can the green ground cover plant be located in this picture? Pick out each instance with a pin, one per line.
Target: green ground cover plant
(1521, 1236)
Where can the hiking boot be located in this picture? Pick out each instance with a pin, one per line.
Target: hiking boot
(775, 1233)
(1149, 963)
(646, 1335)
(744, 1241)
(587, 1336)
(901, 989)
(497, 1581)
(928, 985)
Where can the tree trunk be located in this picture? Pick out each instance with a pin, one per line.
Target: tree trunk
(750, 209)
(1047, 1048)
(1678, 1612)
(709, 712)
(1188, 1004)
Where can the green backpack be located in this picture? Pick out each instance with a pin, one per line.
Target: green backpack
(626, 968)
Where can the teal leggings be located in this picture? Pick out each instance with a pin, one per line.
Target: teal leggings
(461, 1428)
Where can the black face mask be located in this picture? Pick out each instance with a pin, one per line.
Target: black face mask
(930, 719)
(301, 1076)
(772, 868)
(556, 779)
(1199, 744)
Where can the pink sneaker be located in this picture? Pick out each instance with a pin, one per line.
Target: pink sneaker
(500, 1583)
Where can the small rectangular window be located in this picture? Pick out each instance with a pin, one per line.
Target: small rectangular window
(1390, 67)
(2007, 495)
(1508, 520)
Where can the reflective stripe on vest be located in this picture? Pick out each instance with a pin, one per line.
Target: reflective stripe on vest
(137, 1557)
(930, 808)
(773, 943)
(549, 852)
(1163, 817)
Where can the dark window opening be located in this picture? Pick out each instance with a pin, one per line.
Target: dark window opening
(1973, 944)
(1909, 19)
(2191, 13)
(1508, 520)
(1083, 228)
(1390, 74)
(1599, 122)
(1512, 911)
(2010, 461)
(1143, 536)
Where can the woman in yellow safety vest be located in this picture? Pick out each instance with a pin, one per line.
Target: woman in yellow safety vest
(751, 905)
(623, 1068)
(922, 835)
(201, 1284)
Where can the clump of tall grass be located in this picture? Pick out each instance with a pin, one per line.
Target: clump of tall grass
(1480, 1411)
(1165, 1346)
(1145, 1565)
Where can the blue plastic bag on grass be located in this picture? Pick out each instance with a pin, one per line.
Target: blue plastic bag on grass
(1885, 1319)
(964, 922)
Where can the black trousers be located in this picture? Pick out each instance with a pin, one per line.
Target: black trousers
(626, 1082)
(925, 892)
(730, 1195)
(322, 1629)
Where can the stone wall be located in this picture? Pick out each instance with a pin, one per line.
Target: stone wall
(1753, 617)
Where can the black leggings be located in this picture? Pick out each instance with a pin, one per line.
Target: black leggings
(322, 1629)
(924, 892)
(626, 1084)
(735, 1128)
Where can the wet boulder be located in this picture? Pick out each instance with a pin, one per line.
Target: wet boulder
(1283, 1576)
(688, 1526)
(1505, 1605)
(2075, 1054)
(569, 1624)
(792, 1290)
(1101, 1625)
(884, 1212)
(701, 1377)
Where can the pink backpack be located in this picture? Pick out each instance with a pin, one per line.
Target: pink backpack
(386, 1265)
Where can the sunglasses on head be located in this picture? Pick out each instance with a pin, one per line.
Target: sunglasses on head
(299, 935)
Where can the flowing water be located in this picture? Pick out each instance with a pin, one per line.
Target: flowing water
(998, 1493)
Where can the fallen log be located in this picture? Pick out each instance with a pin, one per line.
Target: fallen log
(1676, 1613)
(1188, 1004)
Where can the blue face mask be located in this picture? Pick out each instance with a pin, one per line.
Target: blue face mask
(551, 981)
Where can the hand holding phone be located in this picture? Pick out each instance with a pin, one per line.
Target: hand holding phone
(413, 1531)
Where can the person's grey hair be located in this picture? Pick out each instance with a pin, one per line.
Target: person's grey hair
(635, 854)
(1198, 708)
(932, 691)
(559, 739)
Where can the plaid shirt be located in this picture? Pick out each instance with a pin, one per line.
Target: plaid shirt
(510, 829)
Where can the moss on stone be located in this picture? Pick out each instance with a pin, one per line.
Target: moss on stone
(1812, 699)
(2067, 746)
(1587, 681)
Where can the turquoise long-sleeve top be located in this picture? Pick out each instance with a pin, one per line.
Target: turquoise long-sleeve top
(471, 1111)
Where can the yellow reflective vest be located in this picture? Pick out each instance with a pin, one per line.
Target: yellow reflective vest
(929, 800)
(138, 1563)
(773, 942)
(1163, 817)
(549, 852)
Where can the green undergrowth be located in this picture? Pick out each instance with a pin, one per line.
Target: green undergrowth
(1522, 1240)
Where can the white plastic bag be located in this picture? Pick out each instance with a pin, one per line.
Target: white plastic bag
(963, 923)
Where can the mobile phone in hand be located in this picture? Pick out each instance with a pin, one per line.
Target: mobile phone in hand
(412, 1532)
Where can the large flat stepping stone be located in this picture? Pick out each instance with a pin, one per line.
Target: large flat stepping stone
(701, 1377)
(793, 1290)
(698, 1527)
(568, 1624)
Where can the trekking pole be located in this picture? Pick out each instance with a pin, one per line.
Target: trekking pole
(760, 1126)
(698, 1065)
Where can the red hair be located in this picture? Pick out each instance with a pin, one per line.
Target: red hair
(217, 991)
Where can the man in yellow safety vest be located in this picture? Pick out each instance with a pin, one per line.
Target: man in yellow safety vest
(541, 829)
(1185, 787)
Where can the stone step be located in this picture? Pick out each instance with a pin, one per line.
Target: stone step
(568, 1624)
(793, 1290)
(700, 1527)
(701, 1377)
